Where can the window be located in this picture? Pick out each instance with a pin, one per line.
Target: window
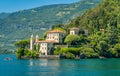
(45, 44)
(45, 48)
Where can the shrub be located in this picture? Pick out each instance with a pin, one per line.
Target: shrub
(117, 47)
(112, 53)
(70, 55)
(89, 52)
(62, 51)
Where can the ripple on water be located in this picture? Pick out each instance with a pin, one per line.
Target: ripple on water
(44, 67)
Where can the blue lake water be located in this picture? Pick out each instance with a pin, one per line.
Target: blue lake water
(44, 67)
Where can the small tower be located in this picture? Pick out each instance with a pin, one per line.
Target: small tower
(31, 42)
(37, 38)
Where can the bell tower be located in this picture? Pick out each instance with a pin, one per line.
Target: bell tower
(31, 42)
(37, 38)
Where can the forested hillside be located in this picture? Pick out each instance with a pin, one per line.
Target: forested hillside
(103, 23)
(21, 24)
(105, 14)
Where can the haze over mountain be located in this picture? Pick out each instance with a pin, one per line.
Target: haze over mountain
(20, 25)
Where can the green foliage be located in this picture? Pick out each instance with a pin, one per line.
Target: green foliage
(89, 52)
(111, 52)
(105, 42)
(76, 40)
(34, 54)
(103, 45)
(73, 52)
(72, 40)
(58, 26)
(37, 47)
(117, 47)
(105, 13)
(70, 55)
(45, 33)
(61, 29)
(22, 53)
(63, 51)
(22, 43)
(57, 51)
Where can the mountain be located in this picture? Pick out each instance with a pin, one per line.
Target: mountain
(21, 24)
(105, 14)
(4, 15)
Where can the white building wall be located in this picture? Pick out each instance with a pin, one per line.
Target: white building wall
(45, 48)
(72, 32)
(53, 36)
(31, 42)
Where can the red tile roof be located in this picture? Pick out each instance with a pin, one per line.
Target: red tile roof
(55, 31)
(74, 28)
(47, 41)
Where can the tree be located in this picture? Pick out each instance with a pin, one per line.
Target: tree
(22, 43)
(72, 40)
(20, 53)
(103, 47)
(45, 33)
(117, 49)
(111, 52)
(70, 55)
(58, 26)
(89, 52)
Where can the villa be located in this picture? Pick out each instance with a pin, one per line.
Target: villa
(74, 31)
(77, 31)
(47, 45)
(53, 37)
(56, 35)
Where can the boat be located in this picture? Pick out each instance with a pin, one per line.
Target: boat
(7, 58)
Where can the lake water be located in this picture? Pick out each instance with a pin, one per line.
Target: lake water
(44, 67)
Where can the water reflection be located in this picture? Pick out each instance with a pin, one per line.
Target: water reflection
(44, 62)
(91, 67)
(43, 67)
(38, 62)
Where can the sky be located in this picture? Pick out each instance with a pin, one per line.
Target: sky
(16, 5)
